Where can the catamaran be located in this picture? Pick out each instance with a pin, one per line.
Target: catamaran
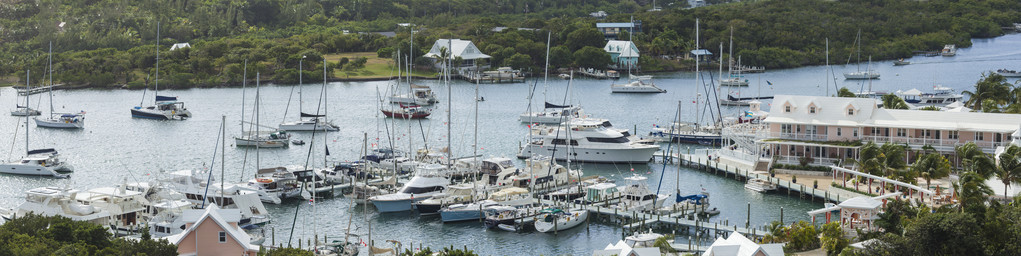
(39, 162)
(306, 121)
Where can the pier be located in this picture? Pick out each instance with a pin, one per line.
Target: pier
(598, 74)
(22, 89)
(501, 75)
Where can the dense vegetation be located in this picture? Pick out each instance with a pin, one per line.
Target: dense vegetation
(37, 235)
(109, 42)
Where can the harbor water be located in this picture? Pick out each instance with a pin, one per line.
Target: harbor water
(113, 147)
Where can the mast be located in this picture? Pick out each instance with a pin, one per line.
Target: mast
(223, 156)
(301, 70)
(157, 90)
(256, 134)
(244, 83)
(545, 77)
(730, 56)
(50, 64)
(827, 67)
(28, 88)
(697, 74)
(450, 55)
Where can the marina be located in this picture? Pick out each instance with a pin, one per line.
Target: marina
(115, 147)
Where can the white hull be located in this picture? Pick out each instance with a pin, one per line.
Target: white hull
(31, 169)
(308, 126)
(24, 112)
(733, 82)
(58, 123)
(861, 75)
(245, 142)
(577, 218)
(635, 89)
(536, 118)
(639, 154)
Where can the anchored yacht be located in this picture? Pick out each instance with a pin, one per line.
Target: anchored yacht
(586, 141)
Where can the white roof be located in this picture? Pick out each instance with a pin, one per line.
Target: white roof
(912, 92)
(833, 111)
(180, 45)
(861, 202)
(626, 49)
(738, 245)
(461, 48)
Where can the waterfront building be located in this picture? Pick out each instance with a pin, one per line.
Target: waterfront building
(623, 53)
(612, 30)
(856, 213)
(468, 53)
(738, 245)
(831, 130)
(213, 231)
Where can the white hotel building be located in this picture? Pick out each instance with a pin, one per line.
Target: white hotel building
(826, 129)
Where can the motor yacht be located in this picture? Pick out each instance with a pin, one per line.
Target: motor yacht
(760, 185)
(586, 141)
(276, 184)
(454, 194)
(429, 180)
(638, 84)
(636, 196)
(551, 114)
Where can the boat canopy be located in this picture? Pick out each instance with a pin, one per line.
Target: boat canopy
(551, 105)
(303, 114)
(697, 198)
(165, 98)
(42, 151)
(551, 210)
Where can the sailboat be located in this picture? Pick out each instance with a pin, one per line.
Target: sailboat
(418, 94)
(732, 80)
(39, 162)
(308, 122)
(59, 120)
(554, 219)
(409, 108)
(164, 107)
(26, 110)
(868, 73)
(551, 113)
(636, 84)
(269, 139)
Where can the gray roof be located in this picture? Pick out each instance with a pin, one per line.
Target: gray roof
(615, 25)
(460, 48)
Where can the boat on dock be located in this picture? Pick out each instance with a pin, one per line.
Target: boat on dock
(429, 180)
(636, 196)
(949, 50)
(554, 219)
(760, 185)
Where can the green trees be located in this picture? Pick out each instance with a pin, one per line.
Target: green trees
(1008, 169)
(592, 57)
(892, 101)
(832, 238)
(585, 36)
(799, 236)
(991, 91)
(844, 92)
(931, 166)
(37, 235)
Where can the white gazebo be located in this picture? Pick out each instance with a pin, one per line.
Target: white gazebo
(463, 49)
(859, 212)
(738, 245)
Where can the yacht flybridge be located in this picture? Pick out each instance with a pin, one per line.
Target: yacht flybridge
(586, 140)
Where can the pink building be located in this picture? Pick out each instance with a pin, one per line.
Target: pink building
(827, 129)
(213, 231)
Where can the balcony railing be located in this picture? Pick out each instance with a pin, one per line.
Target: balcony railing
(796, 160)
(937, 143)
(800, 136)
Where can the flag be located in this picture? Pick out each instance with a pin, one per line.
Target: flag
(769, 83)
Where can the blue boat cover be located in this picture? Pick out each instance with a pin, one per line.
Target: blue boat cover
(697, 198)
(551, 105)
(41, 151)
(165, 98)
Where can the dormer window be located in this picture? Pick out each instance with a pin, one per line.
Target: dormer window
(787, 109)
(850, 111)
(811, 109)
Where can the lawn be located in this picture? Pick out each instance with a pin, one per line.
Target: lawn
(375, 67)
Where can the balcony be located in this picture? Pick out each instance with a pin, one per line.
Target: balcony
(939, 144)
(800, 136)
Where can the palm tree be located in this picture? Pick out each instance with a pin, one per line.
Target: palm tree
(1009, 167)
(930, 166)
(992, 86)
(891, 101)
(973, 159)
(971, 190)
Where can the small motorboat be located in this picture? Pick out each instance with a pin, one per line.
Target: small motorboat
(507, 227)
(565, 76)
(298, 142)
(1008, 73)
(901, 62)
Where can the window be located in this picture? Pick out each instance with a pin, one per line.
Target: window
(854, 132)
(608, 140)
(563, 142)
(952, 135)
(850, 111)
(811, 109)
(926, 133)
(838, 132)
(787, 109)
(876, 131)
(979, 136)
(223, 237)
(420, 190)
(902, 132)
(785, 128)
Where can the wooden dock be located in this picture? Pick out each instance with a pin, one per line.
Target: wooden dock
(599, 74)
(744, 173)
(22, 90)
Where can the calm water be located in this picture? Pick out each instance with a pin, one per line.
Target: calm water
(114, 147)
